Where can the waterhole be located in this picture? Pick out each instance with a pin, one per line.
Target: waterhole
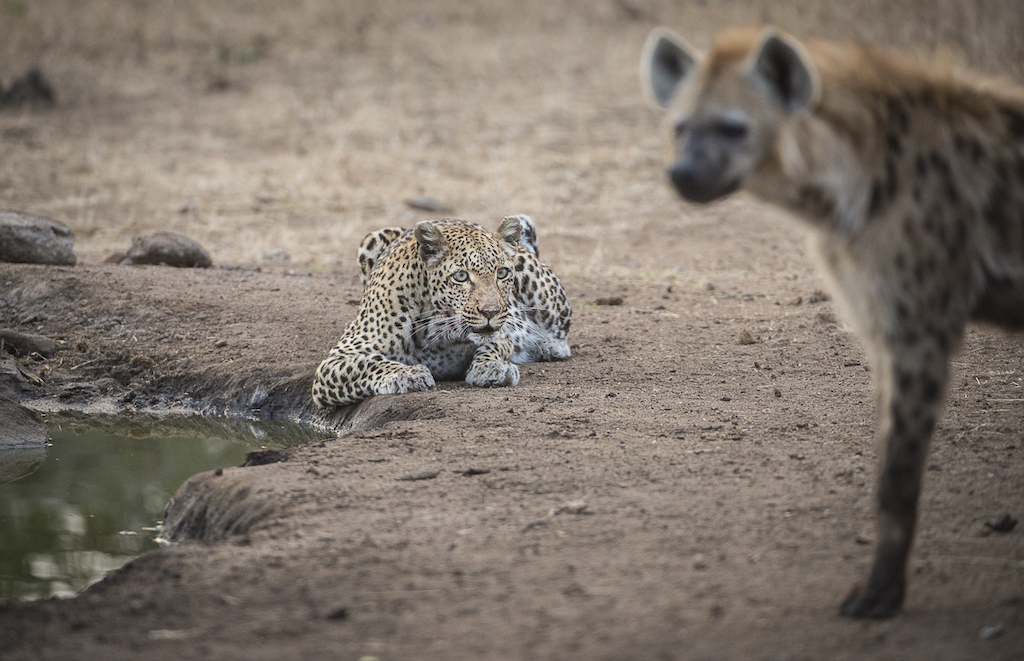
(93, 498)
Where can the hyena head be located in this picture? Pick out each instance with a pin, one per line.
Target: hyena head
(730, 107)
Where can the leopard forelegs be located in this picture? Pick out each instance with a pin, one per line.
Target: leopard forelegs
(492, 363)
(347, 378)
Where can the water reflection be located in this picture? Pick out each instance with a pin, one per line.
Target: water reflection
(90, 503)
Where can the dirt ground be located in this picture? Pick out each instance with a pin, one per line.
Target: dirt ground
(716, 423)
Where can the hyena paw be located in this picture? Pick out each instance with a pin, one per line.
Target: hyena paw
(412, 379)
(874, 603)
(486, 374)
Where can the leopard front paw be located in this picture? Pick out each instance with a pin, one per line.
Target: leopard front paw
(414, 378)
(485, 374)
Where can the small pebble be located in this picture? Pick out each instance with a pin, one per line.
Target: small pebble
(340, 613)
(141, 362)
(1001, 523)
(575, 506)
(745, 338)
(429, 204)
(420, 475)
(988, 633)
(276, 255)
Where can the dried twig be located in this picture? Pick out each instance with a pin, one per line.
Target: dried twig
(572, 507)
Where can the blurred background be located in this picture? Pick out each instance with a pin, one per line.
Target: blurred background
(258, 125)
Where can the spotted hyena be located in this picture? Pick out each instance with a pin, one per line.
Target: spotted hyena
(911, 178)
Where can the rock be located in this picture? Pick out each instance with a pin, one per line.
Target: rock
(11, 379)
(429, 204)
(168, 248)
(1001, 523)
(21, 428)
(16, 464)
(264, 457)
(30, 239)
(25, 343)
(428, 474)
(215, 505)
(141, 362)
(988, 633)
(818, 296)
(30, 89)
(276, 255)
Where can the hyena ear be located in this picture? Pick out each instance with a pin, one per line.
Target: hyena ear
(433, 245)
(666, 62)
(510, 229)
(781, 66)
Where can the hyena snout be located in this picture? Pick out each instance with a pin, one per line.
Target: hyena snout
(701, 174)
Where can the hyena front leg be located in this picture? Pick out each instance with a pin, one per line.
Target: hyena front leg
(911, 371)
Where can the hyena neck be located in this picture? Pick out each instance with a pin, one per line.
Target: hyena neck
(892, 139)
(819, 174)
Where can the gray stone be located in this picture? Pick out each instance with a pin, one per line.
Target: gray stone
(32, 89)
(30, 239)
(429, 204)
(11, 379)
(216, 505)
(20, 427)
(24, 344)
(169, 248)
(276, 255)
(16, 464)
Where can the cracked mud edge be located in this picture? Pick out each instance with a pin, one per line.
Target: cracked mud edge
(237, 405)
(217, 504)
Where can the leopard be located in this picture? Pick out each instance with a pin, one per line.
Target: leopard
(442, 301)
(908, 173)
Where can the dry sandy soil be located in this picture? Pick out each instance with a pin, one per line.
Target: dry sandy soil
(727, 484)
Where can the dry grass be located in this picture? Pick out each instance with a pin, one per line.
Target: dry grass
(258, 125)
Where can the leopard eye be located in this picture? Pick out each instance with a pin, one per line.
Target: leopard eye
(503, 273)
(460, 276)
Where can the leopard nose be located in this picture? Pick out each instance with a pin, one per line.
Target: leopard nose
(488, 310)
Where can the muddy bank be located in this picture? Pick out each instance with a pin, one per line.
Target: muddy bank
(718, 438)
(715, 420)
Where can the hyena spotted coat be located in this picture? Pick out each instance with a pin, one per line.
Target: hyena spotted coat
(911, 178)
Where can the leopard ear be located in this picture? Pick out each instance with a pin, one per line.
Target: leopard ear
(510, 230)
(433, 245)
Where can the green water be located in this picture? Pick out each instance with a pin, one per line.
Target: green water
(91, 501)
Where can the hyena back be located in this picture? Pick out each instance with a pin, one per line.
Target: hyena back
(912, 180)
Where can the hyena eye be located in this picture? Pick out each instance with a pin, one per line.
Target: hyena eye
(731, 128)
(679, 129)
(460, 277)
(503, 273)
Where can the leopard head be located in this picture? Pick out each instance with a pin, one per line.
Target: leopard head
(470, 276)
